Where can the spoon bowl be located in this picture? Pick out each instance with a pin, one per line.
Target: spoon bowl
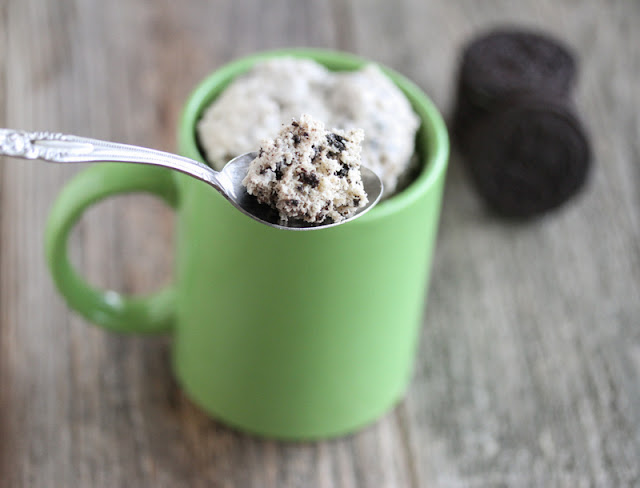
(65, 148)
(234, 172)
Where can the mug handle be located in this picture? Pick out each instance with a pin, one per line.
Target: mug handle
(153, 313)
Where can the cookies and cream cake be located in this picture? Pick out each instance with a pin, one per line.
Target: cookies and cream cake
(273, 92)
(309, 173)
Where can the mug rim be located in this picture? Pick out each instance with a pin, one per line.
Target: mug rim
(431, 121)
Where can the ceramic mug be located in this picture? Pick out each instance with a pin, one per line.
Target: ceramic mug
(293, 335)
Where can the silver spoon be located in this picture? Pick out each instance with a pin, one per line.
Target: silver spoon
(64, 148)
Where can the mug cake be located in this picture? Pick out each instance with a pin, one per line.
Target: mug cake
(256, 105)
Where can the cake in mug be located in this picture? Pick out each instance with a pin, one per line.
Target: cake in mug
(257, 104)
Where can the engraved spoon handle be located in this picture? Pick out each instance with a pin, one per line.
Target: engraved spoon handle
(65, 148)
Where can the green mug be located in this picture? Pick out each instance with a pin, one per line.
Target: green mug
(292, 335)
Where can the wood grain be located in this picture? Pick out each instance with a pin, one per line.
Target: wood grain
(529, 359)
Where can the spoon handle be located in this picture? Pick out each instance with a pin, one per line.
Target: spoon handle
(65, 148)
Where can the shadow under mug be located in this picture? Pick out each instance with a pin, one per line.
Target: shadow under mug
(292, 335)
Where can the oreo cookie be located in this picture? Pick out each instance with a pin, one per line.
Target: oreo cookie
(507, 63)
(516, 62)
(528, 156)
(514, 121)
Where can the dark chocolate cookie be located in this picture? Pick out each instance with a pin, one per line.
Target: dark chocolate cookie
(506, 63)
(509, 62)
(528, 156)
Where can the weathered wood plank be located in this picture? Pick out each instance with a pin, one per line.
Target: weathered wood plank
(530, 354)
(5, 379)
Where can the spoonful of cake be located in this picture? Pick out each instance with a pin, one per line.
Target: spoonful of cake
(286, 194)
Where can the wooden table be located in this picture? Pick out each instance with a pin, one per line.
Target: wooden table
(529, 365)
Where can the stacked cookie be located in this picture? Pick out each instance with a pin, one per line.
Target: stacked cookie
(515, 124)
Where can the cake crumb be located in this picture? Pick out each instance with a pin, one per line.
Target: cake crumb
(309, 173)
